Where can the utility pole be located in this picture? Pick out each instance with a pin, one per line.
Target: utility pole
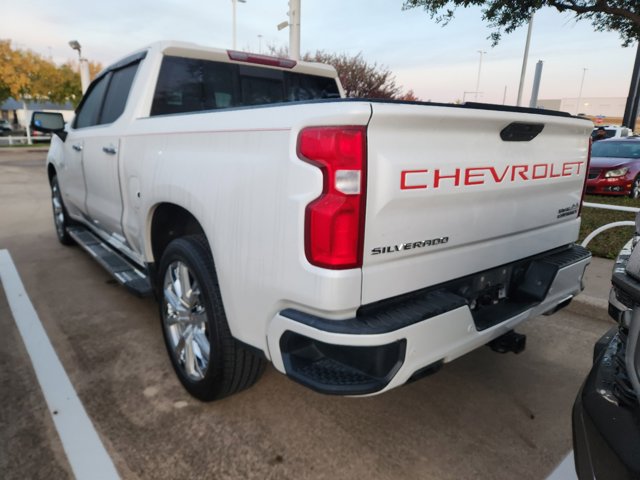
(533, 103)
(294, 29)
(84, 66)
(234, 4)
(479, 70)
(631, 107)
(584, 72)
(525, 58)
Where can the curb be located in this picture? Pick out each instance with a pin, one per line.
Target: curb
(588, 306)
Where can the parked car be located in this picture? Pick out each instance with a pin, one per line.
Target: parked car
(615, 167)
(5, 127)
(612, 131)
(606, 413)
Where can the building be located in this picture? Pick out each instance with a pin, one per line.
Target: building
(15, 112)
(602, 110)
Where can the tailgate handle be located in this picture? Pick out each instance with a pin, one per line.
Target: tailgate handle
(521, 132)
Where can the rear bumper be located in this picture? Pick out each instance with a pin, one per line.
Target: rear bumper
(392, 342)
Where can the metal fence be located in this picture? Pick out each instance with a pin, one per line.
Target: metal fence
(23, 140)
(608, 226)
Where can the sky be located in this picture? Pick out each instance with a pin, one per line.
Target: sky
(438, 63)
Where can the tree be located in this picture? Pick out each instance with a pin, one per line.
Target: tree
(26, 75)
(408, 96)
(18, 71)
(359, 78)
(622, 16)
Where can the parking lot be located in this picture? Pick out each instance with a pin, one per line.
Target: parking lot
(483, 416)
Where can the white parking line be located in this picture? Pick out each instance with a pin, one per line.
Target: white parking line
(84, 449)
(566, 470)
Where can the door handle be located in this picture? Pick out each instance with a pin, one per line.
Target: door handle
(77, 147)
(109, 150)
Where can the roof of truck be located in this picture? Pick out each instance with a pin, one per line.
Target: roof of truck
(193, 50)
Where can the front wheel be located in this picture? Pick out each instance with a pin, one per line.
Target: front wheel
(635, 188)
(61, 219)
(209, 362)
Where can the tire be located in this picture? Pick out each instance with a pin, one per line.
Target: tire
(635, 188)
(61, 219)
(193, 320)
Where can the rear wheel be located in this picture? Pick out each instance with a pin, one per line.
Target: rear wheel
(61, 219)
(635, 188)
(209, 362)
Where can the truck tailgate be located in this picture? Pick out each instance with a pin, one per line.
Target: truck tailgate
(447, 196)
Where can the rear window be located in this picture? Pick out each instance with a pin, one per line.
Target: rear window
(192, 85)
(616, 149)
(610, 132)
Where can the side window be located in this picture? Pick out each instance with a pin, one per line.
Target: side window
(116, 98)
(180, 86)
(87, 115)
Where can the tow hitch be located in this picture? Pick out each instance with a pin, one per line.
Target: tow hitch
(509, 342)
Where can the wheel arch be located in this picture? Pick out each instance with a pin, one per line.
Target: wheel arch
(168, 221)
(51, 172)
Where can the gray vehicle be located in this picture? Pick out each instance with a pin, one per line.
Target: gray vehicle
(5, 127)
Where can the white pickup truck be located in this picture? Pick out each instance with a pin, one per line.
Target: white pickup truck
(356, 244)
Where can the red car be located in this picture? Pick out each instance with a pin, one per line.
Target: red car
(615, 167)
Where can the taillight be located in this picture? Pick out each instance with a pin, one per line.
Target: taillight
(334, 222)
(261, 59)
(586, 176)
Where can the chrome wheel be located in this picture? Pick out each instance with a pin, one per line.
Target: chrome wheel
(58, 209)
(635, 188)
(185, 321)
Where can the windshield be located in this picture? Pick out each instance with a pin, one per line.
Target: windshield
(616, 149)
(609, 132)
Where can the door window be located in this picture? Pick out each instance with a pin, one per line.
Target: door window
(89, 109)
(116, 98)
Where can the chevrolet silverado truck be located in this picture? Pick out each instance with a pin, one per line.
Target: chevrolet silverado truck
(356, 244)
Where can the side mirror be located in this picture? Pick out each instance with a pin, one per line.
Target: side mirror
(49, 122)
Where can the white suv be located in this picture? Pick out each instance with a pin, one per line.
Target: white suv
(613, 131)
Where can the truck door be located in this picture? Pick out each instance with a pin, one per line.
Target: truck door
(101, 154)
(71, 169)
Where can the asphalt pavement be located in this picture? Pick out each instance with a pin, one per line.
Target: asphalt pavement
(594, 299)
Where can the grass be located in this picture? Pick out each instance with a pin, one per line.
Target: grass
(608, 243)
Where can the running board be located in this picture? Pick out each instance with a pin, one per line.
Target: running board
(125, 272)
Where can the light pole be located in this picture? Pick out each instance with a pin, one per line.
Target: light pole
(259, 43)
(584, 72)
(234, 3)
(84, 66)
(479, 70)
(294, 29)
(525, 58)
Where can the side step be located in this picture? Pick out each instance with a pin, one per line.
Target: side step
(122, 270)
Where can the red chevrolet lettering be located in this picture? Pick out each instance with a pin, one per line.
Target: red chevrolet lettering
(471, 173)
(536, 171)
(403, 180)
(523, 169)
(438, 176)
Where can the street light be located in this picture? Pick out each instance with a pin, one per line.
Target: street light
(525, 58)
(84, 66)
(234, 3)
(294, 29)
(479, 70)
(584, 72)
(259, 43)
